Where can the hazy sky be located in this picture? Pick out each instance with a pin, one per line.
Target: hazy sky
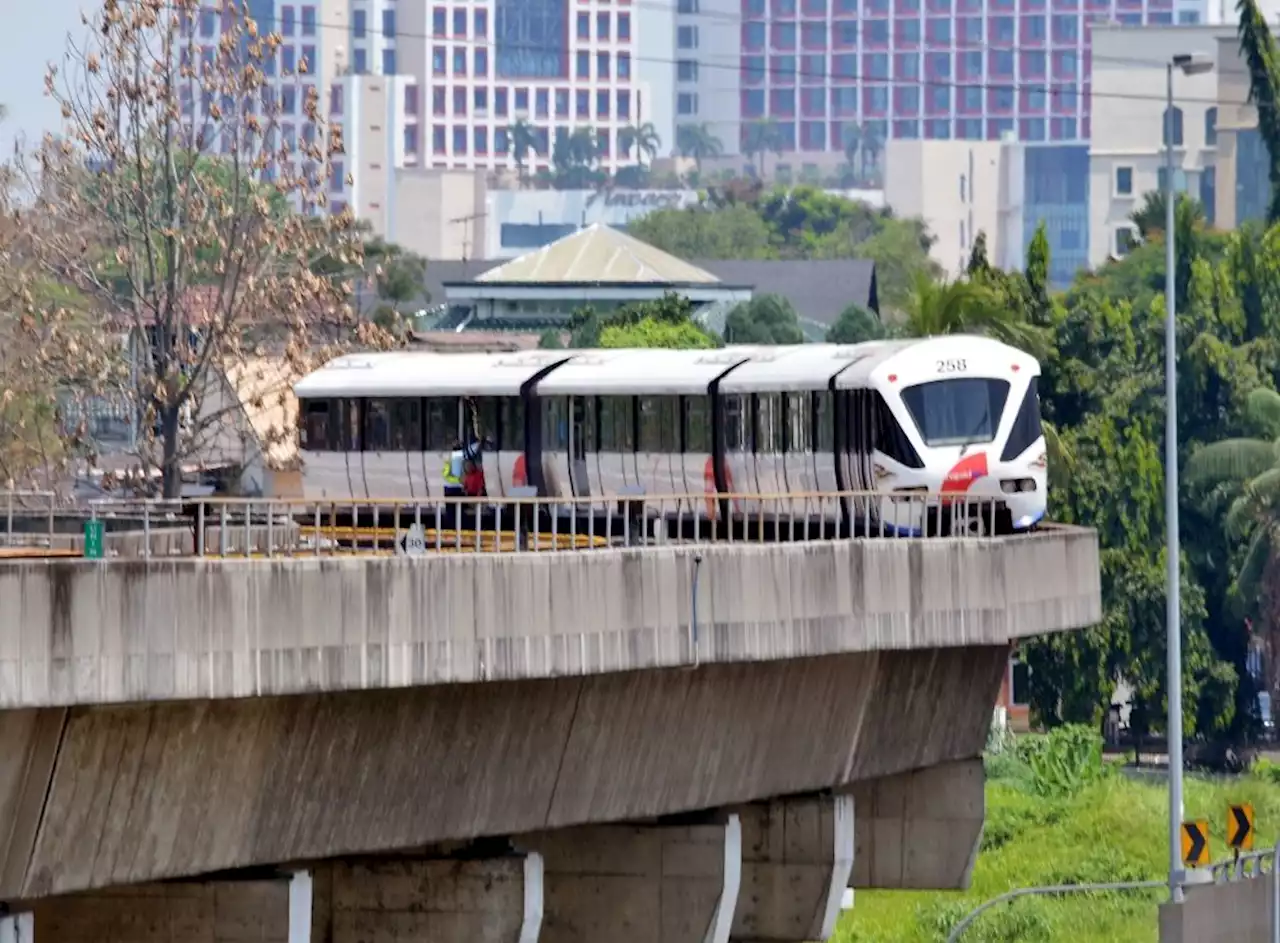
(33, 33)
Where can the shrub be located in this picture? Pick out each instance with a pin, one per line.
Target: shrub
(1066, 761)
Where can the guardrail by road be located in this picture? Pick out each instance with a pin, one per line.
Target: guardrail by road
(268, 527)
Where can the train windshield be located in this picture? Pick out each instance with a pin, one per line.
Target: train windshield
(961, 411)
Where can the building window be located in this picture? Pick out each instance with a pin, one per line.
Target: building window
(562, 103)
(1177, 127)
(1124, 181)
(541, 103)
(583, 64)
(602, 26)
(531, 38)
(1211, 127)
(582, 103)
(459, 62)
(481, 141)
(388, 62)
(411, 139)
(459, 140)
(360, 62)
(460, 101)
(438, 61)
(288, 60)
(439, 103)
(500, 144)
(624, 27)
(686, 103)
(480, 99)
(688, 6)
(288, 100)
(602, 104)
(687, 37)
(286, 22)
(687, 70)
(624, 105)
(389, 24)
(337, 177)
(438, 139)
(335, 100)
(482, 23)
(500, 102)
(602, 65)
(411, 99)
(1123, 240)
(584, 25)
(624, 65)
(308, 21)
(439, 17)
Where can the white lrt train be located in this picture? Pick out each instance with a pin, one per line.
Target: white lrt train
(955, 414)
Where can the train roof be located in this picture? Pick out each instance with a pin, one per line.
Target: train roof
(880, 356)
(794, 367)
(641, 372)
(413, 373)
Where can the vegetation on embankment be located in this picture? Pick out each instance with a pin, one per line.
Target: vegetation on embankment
(1057, 815)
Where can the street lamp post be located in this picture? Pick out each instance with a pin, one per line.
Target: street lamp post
(1188, 64)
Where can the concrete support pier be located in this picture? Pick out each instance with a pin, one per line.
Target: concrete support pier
(641, 884)
(920, 830)
(797, 858)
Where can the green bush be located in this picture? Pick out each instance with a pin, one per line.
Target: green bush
(1266, 770)
(1067, 760)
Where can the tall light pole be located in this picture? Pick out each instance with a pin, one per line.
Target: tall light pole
(1188, 64)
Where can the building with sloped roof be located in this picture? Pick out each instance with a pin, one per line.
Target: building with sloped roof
(596, 266)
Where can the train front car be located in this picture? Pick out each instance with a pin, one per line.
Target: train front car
(954, 432)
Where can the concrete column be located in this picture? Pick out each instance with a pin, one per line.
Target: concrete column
(920, 830)
(403, 900)
(640, 884)
(797, 857)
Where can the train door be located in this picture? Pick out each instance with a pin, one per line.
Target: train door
(615, 444)
(441, 429)
(581, 447)
(555, 444)
(350, 412)
(697, 453)
(385, 468)
(735, 457)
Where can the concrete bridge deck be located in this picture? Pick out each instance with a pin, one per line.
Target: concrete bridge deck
(178, 718)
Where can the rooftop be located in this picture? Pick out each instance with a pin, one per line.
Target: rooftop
(598, 255)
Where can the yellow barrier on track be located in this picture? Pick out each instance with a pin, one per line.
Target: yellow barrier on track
(381, 542)
(37, 553)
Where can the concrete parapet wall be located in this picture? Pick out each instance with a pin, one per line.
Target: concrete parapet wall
(1238, 911)
(85, 632)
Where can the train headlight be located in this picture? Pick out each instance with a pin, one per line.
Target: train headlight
(1017, 485)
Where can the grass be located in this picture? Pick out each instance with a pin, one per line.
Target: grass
(1113, 829)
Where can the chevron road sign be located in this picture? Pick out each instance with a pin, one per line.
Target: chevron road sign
(1240, 827)
(1195, 844)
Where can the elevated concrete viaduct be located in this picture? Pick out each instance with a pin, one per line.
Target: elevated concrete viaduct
(640, 763)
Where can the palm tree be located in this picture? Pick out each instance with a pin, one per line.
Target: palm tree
(761, 137)
(643, 138)
(872, 145)
(521, 139)
(1150, 216)
(697, 141)
(851, 141)
(1249, 469)
(967, 307)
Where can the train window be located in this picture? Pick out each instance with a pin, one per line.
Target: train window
(617, 423)
(959, 411)
(697, 424)
(735, 422)
(888, 437)
(584, 425)
(1026, 427)
(769, 423)
(822, 409)
(659, 424)
(315, 425)
(406, 425)
(377, 425)
(555, 424)
(442, 423)
(482, 417)
(511, 428)
(349, 409)
(799, 433)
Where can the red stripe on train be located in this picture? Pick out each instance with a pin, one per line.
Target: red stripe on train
(966, 471)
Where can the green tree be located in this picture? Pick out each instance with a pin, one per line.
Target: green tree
(644, 138)
(967, 307)
(575, 161)
(1258, 48)
(699, 142)
(522, 140)
(856, 325)
(653, 332)
(765, 319)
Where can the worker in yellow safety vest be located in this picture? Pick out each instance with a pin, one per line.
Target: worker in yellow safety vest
(456, 467)
(453, 472)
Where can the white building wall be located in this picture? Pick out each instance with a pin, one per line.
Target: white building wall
(708, 85)
(1127, 152)
(959, 188)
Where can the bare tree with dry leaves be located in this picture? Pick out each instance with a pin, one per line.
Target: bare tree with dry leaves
(180, 203)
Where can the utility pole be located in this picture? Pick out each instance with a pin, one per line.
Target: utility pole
(467, 221)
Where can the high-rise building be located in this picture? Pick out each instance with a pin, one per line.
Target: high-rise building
(547, 67)
(897, 69)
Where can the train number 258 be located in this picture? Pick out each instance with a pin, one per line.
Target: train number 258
(952, 366)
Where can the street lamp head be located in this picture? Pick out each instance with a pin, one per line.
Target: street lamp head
(1193, 63)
